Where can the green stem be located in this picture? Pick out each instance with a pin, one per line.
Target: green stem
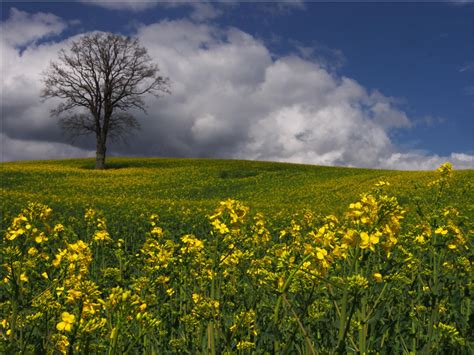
(303, 330)
(342, 318)
(363, 330)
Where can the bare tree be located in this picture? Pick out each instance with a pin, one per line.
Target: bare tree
(105, 75)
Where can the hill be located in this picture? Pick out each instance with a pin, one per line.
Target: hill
(132, 186)
(158, 256)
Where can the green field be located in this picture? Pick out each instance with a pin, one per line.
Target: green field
(226, 256)
(168, 186)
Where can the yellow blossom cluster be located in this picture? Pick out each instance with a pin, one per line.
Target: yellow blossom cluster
(379, 276)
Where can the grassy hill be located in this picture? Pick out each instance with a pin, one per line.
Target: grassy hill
(183, 191)
(144, 257)
(132, 186)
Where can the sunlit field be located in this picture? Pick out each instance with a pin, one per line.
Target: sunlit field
(155, 256)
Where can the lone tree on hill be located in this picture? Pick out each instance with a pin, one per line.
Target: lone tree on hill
(101, 77)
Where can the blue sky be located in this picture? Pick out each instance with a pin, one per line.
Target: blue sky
(417, 59)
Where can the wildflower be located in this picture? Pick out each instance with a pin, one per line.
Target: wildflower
(357, 282)
(243, 345)
(196, 298)
(41, 238)
(59, 257)
(441, 230)
(58, 228)
(59, 291)
(13, 234)
(367, 241)
(192, 243)
(420, 239)
(220, 226)
(73, 295)
(67, 320)
(321, 253)
(102, 235)
(89, 215)
(377, 277)
(157, 231)
(32, 251)
(23, 277)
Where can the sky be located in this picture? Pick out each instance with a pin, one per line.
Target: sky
(362, 84)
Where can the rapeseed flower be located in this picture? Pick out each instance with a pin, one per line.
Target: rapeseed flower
(369, 241)
(67, 321)
(377, 277)
(441, 230)
(220, 226)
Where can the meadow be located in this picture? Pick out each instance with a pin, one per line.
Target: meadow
(221, 256)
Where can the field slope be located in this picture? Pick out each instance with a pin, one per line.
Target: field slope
(132, 186)
(236, 257)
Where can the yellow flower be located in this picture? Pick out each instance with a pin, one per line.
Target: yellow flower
(367, 241)
(221, 227)
(192, 243)
(101, 235)
(59, 291)
(41, 238)
(196, 298)
(45, 275)
(157, 231)
(244, 345)
(58, 228)
(62, 344)
(32, 251)
(377, 277)
(420, 239)
(23, 277)
(321, 253)
(59, 257)
(67, 322)
(73, 295)
(441, 230)
(356, 205)
(13, 234)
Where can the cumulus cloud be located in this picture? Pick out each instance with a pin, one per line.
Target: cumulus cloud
(230, 99)
(204, 11)
(200, 10)
(130, 5)
(425, 161)
(22, 28)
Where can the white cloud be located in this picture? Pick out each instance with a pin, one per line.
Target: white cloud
(467, 67)
(231, 99)
(130, 5)
(22, 28)
(200, 10)
(425, 161)
(204, 11)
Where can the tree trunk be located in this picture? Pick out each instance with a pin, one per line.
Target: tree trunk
(100, 154)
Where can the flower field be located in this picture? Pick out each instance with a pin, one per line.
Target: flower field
(220, 257)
